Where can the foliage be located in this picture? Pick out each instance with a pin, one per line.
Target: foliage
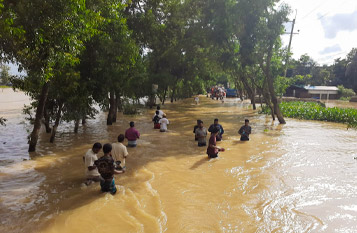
(314, 111)
(4, 74)
(345, 92)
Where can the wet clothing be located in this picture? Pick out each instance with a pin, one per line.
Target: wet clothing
(119, 152)
(220, 128)
(163, 124)
(132, 134)
(156, 120)
(161, 113)
(108, 186)
(106, 167)
(201, 135)
(89, 158)
(194, 131)
(211, 151)
(244, 131)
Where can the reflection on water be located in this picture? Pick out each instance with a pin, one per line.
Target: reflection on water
(299, 177)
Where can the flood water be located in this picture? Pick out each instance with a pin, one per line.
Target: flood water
(298, 177)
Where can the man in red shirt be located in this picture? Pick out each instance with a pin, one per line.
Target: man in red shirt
(213, 149)
(132, 134)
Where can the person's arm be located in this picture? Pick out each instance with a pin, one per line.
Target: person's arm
(137, 134)
(240, 131)
(222, 130)
(91, 168)
(210, 128)
(168, 122)
(249, 130)
(90, 164)
(118, 172)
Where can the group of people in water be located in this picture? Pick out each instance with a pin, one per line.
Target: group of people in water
(113, 161)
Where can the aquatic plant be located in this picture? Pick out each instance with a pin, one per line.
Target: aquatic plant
(314, 111)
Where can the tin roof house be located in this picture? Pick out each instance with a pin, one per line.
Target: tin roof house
(315, 92)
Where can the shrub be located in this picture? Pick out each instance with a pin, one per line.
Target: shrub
(314, 111)
(345, 92)
(129, 109)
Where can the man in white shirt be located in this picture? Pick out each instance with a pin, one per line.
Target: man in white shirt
(91, 170)
(163, 123)
(119, 153)
(161, 113)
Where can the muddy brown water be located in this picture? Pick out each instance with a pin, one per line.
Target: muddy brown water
(298, 177)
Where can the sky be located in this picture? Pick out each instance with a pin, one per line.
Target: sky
(327, 29)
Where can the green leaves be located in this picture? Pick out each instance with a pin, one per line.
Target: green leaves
(315, 111)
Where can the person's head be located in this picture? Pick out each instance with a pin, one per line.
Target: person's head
(157, 112)
(215, 131)
(107, 148)
(131, 124)
(121, 138)
(200, 124)
(158, 107)
(96, 147)
(164, 116)
(246, 122)
(216, 121)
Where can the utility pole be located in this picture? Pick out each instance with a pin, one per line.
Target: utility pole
(289, 47)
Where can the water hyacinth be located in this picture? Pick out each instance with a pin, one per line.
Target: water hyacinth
(315, 111)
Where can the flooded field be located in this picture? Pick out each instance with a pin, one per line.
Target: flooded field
(298, 177)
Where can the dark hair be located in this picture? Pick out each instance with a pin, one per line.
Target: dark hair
(246, 120)
(131, 123)
(216, 119)
(121, 137)
(97, 145)
(158, 107)
(198, 121)
(215, 130)
(107, 148)
(157, 112)
(201, 122)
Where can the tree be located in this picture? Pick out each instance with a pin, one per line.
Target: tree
(4, 74)
(44, 37)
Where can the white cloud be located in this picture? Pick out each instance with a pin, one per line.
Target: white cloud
(311, 38)
(339, 22)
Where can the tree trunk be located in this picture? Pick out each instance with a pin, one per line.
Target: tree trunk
(39, 115)
(118, 102)
(173, 96)
(115, 109)
(58, 118)
(47, 121)
(270, 83)
(76, 125)
(249, 89)
(164, 97)
(111, 108)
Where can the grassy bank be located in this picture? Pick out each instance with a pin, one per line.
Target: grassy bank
(315, 111)
(2, 86)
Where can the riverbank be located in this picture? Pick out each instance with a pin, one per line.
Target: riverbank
(278, 181)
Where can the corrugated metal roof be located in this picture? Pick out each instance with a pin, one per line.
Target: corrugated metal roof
(321, 88)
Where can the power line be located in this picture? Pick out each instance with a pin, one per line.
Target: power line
(321, 4)
(335, 9)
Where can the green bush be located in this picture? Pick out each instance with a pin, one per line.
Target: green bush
(314, 111)
(129, 109)
(345, 92)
